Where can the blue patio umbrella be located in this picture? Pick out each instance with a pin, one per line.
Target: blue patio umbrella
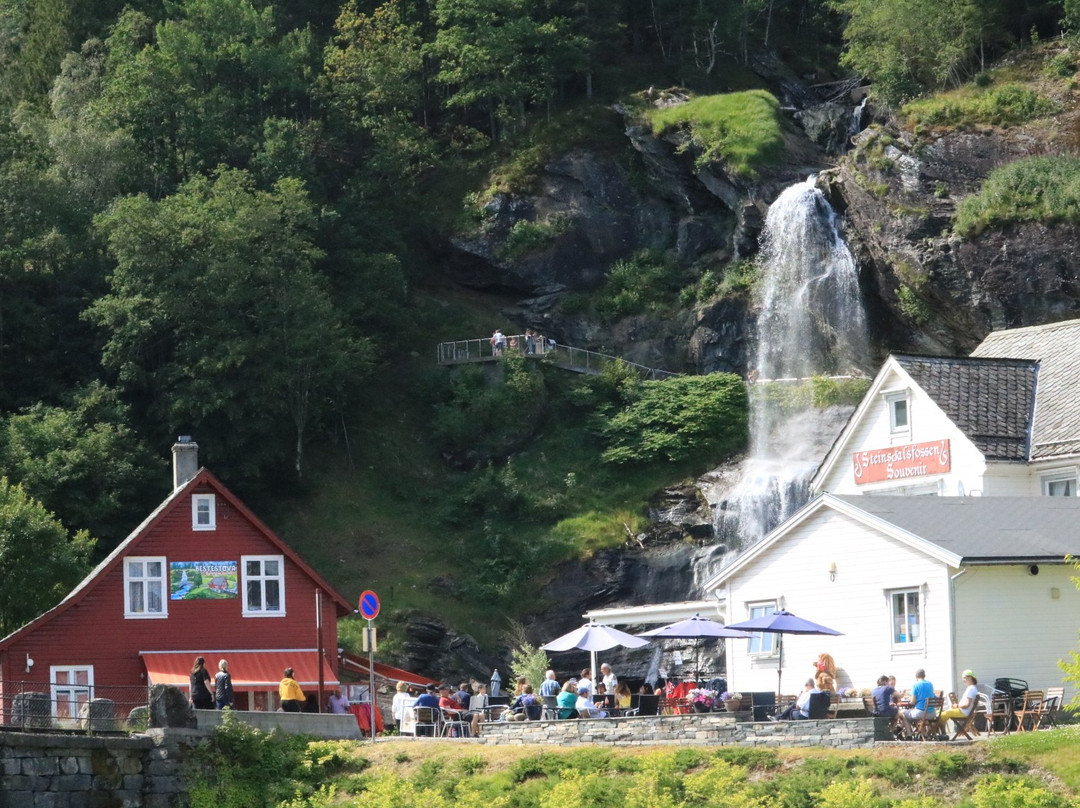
(780, 623)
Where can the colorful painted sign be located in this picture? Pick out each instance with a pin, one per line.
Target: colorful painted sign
(202, 580)
(902, 462)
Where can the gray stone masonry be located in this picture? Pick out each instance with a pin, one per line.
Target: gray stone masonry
(82, 771)
(724, 729)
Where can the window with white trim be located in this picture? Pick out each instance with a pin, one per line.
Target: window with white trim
(905, 618)
(1060, 483)
(203, 512)
(264, 586)
(145, 587)
(72, 686)
(762, 643)
(899, 415)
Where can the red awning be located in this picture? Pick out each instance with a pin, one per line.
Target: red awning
(359, 665)
(247, 668)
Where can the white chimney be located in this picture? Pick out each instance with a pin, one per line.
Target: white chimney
(185, 460)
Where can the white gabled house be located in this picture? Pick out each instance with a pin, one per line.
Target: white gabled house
(941, 583)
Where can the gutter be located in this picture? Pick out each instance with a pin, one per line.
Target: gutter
(952, 622)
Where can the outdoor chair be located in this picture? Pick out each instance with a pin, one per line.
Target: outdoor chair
(926, 728)
(648, 704)
(454, 725)
(819, 705)
(1054, 697)
(550, 710)
(1029, 716)
(427, 721)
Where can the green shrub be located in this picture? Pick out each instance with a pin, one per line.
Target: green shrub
(912, 305)
(740, 130)
(646, 281)
(948, 766)
(1060, 66)
(692, 418)
(997, 791)
(895, 771)
(1039, 189)
(1009, 104)
(749, 757)
(527, 237)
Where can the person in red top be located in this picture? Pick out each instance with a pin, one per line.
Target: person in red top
(448, 704)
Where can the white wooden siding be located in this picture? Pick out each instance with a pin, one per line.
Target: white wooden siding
(928, 423)
(868, 564)
(1009, 624)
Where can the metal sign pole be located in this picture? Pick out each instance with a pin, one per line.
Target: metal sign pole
(371, 674)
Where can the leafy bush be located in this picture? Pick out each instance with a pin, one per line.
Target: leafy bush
(692, 418)
(998, 791)
(1009, 104)
(1061, 65)
(741, 130)
(948, 766)
(1033, 189)
(527, 237)
(644, 282)
(818, 392)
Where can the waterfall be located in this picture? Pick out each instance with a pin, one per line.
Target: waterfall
(811, 323)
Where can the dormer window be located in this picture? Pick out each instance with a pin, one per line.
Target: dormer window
(203, 512)
(899, 415)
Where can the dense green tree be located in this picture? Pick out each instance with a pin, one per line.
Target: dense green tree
(39, 561)
(84, 463)
(218, 317)
(500, 56)
(907, 47)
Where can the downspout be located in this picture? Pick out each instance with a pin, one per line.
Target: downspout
(952, 623)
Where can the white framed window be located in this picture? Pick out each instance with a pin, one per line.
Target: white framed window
(264, 586)
(72, 686)
(762, 643)
(1060, 483)
(203, 512)
(145, 587)
(905, 618)
(899, 412)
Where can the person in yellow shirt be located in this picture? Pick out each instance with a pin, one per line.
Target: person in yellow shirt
(292, 697)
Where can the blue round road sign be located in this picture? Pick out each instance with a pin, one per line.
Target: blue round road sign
(369, 604)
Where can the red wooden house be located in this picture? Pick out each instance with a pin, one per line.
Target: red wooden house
(201, 576)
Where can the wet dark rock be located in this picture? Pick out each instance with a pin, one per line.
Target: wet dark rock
(169, 707)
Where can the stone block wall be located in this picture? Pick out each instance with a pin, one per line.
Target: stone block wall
(80, 771)
(700, 729)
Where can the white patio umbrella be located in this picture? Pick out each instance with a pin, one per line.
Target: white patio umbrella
(593, 637)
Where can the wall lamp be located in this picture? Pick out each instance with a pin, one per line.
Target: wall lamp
(832, 570)
(29, 663)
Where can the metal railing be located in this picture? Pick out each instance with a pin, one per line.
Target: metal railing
(579, 360)
(82, 707)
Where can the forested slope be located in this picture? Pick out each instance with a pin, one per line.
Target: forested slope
(250, 222)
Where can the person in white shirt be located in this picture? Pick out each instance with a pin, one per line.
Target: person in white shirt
(586, 681)
(610, 680)
(585, 706)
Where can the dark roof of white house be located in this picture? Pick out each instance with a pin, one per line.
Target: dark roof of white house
(990, 400)
(1056, 423)
(984, 529)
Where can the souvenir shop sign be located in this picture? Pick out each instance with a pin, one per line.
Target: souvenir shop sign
(902, 462)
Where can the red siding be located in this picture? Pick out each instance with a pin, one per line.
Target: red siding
(94, 631)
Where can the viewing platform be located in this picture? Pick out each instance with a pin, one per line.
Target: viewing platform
(576, 360)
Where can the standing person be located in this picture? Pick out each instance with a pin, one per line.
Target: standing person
(292, 697)
(498, 343)
(338, 703)
(585, 681)
(200, 687)
(608, 677)
(550, 685)
(223, 692)
(402, 698)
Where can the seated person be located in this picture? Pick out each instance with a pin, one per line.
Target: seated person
(884, 698)
(623, 696)
(916, 705)
(958, 712)
(429, 698)
(800, 710)
(585, 706)
(455, 709)
(567, 700)
(524, 706)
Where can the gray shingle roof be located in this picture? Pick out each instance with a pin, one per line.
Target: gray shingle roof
(986, 529)
(989, 400)
(1056, 423)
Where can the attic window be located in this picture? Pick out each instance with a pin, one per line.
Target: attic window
(145, 587)
(899, 417)
(203, 512)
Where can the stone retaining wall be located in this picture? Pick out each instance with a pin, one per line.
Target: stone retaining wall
(704, 729)
(80, 771)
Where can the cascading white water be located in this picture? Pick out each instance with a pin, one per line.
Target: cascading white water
(811, 323)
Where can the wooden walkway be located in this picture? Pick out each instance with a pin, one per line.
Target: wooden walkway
(576, 360)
